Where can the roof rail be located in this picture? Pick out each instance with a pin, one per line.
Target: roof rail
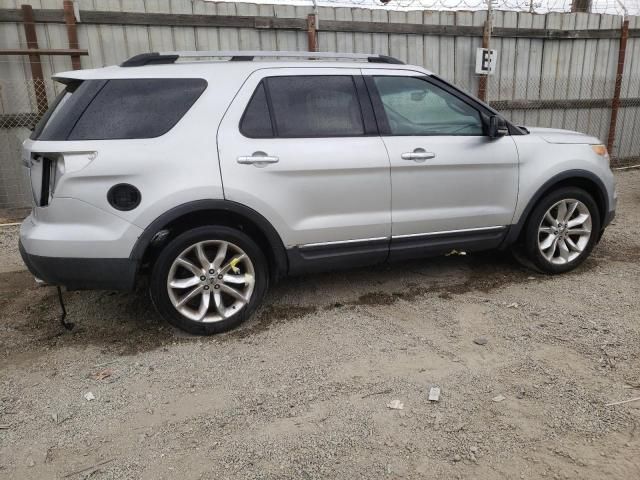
(153, 58)
(156, 58)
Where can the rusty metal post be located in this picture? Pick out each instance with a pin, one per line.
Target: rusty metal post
(312, 37)
(34, 59)
(486, 43)
(615, 103)
(72, 32)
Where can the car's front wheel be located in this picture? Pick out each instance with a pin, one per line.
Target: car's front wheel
(209, 280)
(562, 230)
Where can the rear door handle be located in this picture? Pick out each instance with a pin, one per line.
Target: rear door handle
(259, 159)
(418, 155)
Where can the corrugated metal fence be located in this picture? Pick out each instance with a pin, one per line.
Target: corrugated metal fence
(556, 70)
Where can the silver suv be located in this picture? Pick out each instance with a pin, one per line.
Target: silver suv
(216, 178)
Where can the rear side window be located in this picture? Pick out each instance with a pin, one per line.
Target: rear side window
(140, 108)
(120, 109)
(315, 106)
(256, 121)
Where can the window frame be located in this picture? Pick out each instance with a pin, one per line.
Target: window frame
(370, 127)
(381, 114)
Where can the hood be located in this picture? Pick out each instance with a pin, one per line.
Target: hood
(556, 135)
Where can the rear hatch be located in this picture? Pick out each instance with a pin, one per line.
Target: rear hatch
(44, 168)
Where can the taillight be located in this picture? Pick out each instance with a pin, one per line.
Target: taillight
(45, 171)
(46, 187)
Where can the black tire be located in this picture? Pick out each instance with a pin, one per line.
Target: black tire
(159, 275)
(531, 249)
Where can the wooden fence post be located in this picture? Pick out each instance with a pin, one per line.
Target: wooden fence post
(72, 32)
(34, 59)
(312, 39)
(615, 103)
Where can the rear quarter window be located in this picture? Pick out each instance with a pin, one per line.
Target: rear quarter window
(140, 108)
(120, 109)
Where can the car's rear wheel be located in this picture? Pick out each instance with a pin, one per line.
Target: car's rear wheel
(209, 280)
(562, 230)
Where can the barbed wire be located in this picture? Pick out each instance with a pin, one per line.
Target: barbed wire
(613, 7)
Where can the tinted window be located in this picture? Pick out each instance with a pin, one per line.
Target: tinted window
(66, 109)
(137, 108)
(256, 121)
(416, 107)
(54, 110)
(315, 106)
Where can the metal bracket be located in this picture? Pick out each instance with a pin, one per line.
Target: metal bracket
(63, 317)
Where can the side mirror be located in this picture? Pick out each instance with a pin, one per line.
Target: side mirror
(497, 127)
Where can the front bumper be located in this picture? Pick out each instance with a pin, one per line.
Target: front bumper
(82, 273)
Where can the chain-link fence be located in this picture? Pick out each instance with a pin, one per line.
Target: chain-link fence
(582, 105)
(579, 104)
(19, 112)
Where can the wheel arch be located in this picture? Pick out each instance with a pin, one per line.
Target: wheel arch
(211, 212)
(584, 179)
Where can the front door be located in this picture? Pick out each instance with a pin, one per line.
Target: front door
(299, 146)
(452, 185)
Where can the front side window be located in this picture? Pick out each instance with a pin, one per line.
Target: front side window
(414, 106)
(315, 106)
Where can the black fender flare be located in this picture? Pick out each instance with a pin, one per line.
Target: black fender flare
(516, 228)
(270, 233)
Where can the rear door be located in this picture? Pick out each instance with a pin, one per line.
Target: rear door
(300, 146)
(452, 185)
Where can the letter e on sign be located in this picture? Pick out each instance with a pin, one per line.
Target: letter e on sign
(486, 61)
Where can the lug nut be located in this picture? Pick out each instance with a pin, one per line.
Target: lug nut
(206, 287)
(216, 286)
(203, 278)
(212, 271)
(220, 277)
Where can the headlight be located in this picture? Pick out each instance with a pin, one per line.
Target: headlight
(601, 150)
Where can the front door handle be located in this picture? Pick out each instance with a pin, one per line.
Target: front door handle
(259, 159)
(418, 155)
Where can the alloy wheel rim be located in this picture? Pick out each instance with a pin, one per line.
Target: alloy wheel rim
(564, 231)
(210, 281)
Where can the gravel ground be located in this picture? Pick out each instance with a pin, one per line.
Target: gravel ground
(301, 391)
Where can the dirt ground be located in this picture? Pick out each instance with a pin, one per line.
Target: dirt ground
(301, 391)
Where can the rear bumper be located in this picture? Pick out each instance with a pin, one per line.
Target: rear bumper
(82, 273)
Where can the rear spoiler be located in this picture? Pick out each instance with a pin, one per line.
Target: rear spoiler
(67, 80)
